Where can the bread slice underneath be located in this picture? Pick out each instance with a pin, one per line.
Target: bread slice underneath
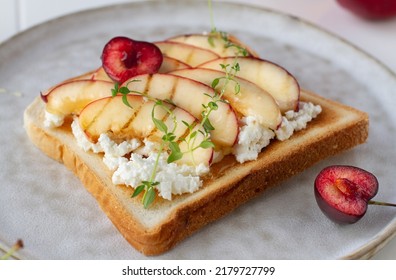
(157, 229)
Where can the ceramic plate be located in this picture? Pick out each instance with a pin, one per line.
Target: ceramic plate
(45, 205)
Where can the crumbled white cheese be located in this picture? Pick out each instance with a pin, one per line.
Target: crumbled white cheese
(173, 178)
(82, 139)
(52, 120)
(113, 153)
(252, 138)
(295, 121)
(148, 148)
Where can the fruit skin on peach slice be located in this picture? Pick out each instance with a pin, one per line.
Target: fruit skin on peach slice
(70, 97)
(91, 75)
(187, 54)
(190, 95)
(101, 75)
(273, 78)
(98, 74)
(251, 100)
(170, 64)
(94, 75)
(215, 44)
(111, 115)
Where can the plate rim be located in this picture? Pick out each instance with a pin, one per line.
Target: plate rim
(387, 233)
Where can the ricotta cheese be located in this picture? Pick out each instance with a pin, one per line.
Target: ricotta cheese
(253, 137)
(133, 161)
(295, 121)
(114, 154)
(173, 178)
(52, 120)
(131, 171)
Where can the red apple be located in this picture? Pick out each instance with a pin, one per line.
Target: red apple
(371, 9)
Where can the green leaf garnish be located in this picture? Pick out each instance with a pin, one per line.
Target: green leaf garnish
(114, 91)
(215, 82)
(207, 125)
(237, 88)
(125, 101)
(186, 124)
(148, 197)
(174, 156)
(224, 66)
(138, 190)
(160, 125)
(206, 144)
(124, 90)
(213, 105)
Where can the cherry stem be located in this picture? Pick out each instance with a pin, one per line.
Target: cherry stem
(17, 246)
(381, 203)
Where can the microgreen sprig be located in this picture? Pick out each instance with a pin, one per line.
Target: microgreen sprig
(124, 91)
(169, 140)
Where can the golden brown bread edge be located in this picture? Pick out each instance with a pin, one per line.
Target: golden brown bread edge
(336, 129)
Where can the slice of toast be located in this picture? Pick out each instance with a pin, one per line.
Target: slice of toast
(230, 184)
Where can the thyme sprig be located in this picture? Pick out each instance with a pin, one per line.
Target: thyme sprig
(169, 139)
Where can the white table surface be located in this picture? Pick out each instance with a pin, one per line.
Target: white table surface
(376, 38)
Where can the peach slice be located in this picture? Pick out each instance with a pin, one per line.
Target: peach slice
(273, 78)
(70, 97)
(100, 74)
(251, 100)
(188, 54)
(215, 44)
(111, 115)
(94, 75)
(170, 64)
(191, 96)
(85, 76)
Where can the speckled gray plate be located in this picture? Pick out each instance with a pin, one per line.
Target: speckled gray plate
(45, 205)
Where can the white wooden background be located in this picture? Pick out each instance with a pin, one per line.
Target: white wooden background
(18, 15)
(376, 38)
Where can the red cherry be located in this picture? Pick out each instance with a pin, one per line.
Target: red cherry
(124, 58)
(343, 192)
(371, 9)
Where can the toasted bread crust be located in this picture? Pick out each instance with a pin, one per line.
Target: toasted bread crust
(231, 184)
